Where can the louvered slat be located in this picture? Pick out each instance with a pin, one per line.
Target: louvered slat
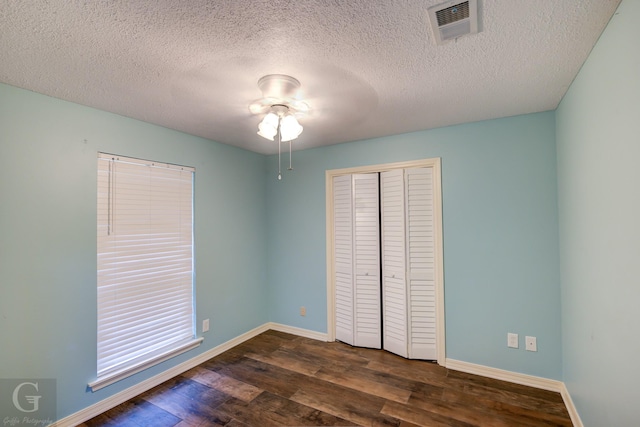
(420, 263)
(367, 261)
(393, 262)
(343, 248)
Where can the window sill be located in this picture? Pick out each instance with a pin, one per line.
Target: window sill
(113, 377)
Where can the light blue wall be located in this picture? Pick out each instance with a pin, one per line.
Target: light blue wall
(500, 235)
(48, 237)
(598, 138)
(259, 240)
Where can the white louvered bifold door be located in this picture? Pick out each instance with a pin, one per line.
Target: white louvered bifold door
(367, 261)
(343, 253)
(394, 289)
(420, 263)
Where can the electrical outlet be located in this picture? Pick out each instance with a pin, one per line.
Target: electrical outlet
(512, 340)
(531, 344)
(303, 311)
(205, 325)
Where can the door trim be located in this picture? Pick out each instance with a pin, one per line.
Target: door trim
(439, 262)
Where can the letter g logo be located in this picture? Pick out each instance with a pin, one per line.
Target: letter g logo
(34, 400)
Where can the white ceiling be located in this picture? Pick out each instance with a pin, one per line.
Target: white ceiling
(367, 68)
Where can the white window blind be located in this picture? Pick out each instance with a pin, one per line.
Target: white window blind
(145, 265)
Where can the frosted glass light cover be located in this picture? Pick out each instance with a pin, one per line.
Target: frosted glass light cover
(268, 127)
(290, 128)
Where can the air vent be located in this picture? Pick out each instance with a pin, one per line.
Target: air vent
(453, 19)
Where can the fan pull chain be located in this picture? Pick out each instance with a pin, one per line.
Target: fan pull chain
(279, 151)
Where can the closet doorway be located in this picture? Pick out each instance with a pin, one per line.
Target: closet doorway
(384, 258)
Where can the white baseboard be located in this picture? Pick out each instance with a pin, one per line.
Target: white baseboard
(500, 374)
(573, 412)
(523, 379)
(131, 392)
(319, 336)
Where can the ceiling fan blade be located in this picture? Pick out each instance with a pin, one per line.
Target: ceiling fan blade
(260, 106)
(299, 106)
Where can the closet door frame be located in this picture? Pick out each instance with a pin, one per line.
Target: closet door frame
(439, 265)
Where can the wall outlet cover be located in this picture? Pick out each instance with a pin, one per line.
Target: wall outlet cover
(531, 344)
(512, 340)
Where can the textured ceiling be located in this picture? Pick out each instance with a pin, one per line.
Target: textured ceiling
(367, 68)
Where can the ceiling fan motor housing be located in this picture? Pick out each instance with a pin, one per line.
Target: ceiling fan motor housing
(278, 86)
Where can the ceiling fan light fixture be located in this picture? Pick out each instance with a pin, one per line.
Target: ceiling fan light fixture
(290, 128)
(282, 101)
(268, 127)
(267, 133)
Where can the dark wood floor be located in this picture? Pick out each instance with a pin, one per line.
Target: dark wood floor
(277, 379)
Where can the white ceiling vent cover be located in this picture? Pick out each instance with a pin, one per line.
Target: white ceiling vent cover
(453, 19)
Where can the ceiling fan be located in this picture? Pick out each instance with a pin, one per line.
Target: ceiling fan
(279, 89)
(282, 104)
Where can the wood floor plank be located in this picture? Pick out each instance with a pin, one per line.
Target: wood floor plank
(344, 402)
(550, 396)
(419, 416)
(363, 372)
(349, 409)
(264, 376)
(283, 335)
(427, 391)
(287, 360)
(203, 376)
(412, 374)
(241, 411)
(324, 354)
(138, 412)
(332, 352)
(517, 399)
(393, 360)
(230, 386)
(101, 420)
(272, 410)
(354, 381)
(186, 424)
(279, 379)
(459, 412)
(265, 343)
(297, 413)
(517, 415)
(185, 407)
